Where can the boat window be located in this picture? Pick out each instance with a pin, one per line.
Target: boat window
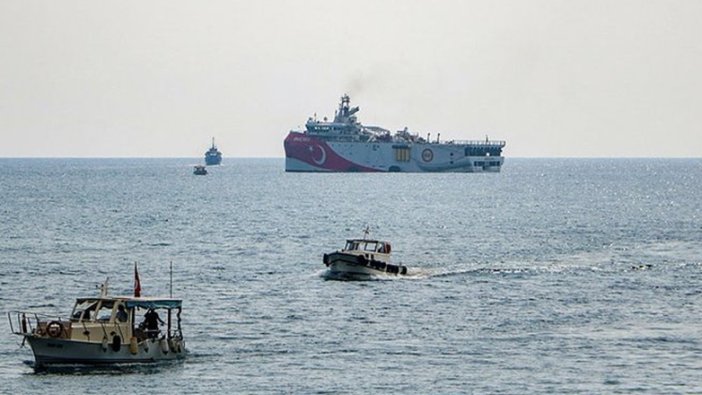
(84, 310)
(370, 246)
(351, 245)
(104, 312)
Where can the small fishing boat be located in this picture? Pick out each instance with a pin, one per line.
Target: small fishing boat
(200, 170)
(362, 259)
(103, 330)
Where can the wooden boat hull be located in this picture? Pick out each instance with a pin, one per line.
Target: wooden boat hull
(49, 351)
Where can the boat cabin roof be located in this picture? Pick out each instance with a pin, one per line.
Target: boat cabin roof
(140, 302)
(367, 245)
(365, 241)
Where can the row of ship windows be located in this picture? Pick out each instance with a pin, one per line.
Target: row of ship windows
(403, 155)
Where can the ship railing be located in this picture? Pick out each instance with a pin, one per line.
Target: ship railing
(157, 333)
(26, 323)
(175, 334)
(500, 143)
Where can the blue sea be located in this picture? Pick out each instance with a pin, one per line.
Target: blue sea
(555, 276)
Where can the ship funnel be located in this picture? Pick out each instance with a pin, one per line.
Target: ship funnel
(353, 110)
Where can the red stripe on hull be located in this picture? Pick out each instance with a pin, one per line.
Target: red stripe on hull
(318, 154)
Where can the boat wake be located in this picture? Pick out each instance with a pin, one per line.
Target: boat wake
(107, 369)
(412, 274)
(415, 273)
(568, 264)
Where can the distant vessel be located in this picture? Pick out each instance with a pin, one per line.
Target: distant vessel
(361, 259)
(101, 330)
(213, 156)
(200, 170)
(345, 145)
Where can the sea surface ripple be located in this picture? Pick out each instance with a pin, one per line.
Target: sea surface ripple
(554, 276)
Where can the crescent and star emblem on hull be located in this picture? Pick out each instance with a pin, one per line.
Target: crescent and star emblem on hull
(322, 159)
(427, 155)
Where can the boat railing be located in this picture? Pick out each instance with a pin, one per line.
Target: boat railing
(20, 324)
(26, 323)
(175, 334)
(145, 334)
(151, 333)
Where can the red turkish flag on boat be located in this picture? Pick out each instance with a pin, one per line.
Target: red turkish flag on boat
(137, 283)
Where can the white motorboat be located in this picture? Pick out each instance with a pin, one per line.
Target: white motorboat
(103, 330)
(362, 259)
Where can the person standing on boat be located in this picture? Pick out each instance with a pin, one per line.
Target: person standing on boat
(122, 314)
(151, 320)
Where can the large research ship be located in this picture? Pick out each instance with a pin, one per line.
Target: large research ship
(345, 145)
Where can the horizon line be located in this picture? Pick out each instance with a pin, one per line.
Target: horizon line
(282, 157)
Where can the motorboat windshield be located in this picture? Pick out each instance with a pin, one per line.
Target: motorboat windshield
(367, 246)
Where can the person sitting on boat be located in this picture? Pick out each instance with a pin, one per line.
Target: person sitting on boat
(122, 314)
(151, 320)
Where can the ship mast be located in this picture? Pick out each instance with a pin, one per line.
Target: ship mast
(345, 112)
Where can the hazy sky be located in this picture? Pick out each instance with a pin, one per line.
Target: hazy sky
(159, 78)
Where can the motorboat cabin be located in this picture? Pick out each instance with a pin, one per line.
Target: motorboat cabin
(126, 316)
(365, 246)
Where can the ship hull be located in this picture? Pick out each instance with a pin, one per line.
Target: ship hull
(304, 153)
(354, 267)
(49, 352)
(212, 160)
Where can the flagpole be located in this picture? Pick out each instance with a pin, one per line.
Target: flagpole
(171, 293)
